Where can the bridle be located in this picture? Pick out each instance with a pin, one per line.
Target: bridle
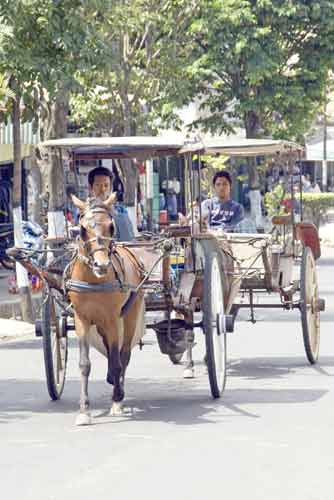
(115, 260)
(89, 216)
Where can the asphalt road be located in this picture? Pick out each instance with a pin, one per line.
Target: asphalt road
(270, 437)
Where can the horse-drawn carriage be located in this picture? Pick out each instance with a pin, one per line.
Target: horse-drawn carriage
(202, 294)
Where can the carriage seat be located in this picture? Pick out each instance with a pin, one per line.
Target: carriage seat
(246, 246)
(147, 255)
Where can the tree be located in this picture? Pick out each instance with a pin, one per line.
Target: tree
(262, 65)
(136, 89)
(42, 44)
(11, 101)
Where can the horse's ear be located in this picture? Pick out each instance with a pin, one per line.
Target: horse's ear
(110, 201)
(78, 203)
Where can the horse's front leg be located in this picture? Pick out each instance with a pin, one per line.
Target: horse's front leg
(84, 417)
(115, 377)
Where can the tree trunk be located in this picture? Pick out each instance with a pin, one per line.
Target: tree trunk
(55, 128)
(252, 125)
(21, 273)
(34, 191)
(129, 171)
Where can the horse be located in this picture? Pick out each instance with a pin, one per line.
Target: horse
(108, 310)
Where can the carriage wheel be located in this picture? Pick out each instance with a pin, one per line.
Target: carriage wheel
(54, 346)
(215, 340)
(309, 305)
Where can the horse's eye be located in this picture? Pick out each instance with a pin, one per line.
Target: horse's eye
(111, 229)
(82, 232)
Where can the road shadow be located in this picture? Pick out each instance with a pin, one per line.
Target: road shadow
(174, 400)
(325, 261)
(28, 344)
(276, 367)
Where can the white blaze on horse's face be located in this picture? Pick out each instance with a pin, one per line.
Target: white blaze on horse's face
(99, 231)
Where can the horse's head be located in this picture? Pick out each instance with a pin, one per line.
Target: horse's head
(96, 231)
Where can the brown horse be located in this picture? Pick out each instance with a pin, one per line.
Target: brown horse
(102, 279)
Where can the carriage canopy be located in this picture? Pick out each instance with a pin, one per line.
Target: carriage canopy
(143, 147)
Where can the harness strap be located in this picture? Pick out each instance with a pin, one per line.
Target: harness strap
(135, 260)
(115, 254)
(83, 286)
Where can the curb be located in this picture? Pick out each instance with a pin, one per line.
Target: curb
(11, 330)
(11, 309)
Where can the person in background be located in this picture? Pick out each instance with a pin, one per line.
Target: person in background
(140, 209)
(117, 184)
(315, 188)
(306, 183)
(162, 201)
(100, 186)
(221, 210)
(72, 212)
(100, 183)
(289, 203)
(172, 189)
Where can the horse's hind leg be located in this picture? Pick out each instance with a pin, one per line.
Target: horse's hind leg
(84, 417)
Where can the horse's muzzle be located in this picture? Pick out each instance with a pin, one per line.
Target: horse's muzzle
(100, 270)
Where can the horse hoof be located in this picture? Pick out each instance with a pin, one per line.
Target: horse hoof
(83, 419)
(189, 373)
(116, 409)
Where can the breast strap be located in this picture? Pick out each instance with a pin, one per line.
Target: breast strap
(83, 286)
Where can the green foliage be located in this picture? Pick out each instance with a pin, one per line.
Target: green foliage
(143, 73)
(273, 201)
(212, 165)
(262, 64)
(316, 205)
(52, 40)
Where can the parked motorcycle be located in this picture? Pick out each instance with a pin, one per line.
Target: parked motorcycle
(32, 240)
